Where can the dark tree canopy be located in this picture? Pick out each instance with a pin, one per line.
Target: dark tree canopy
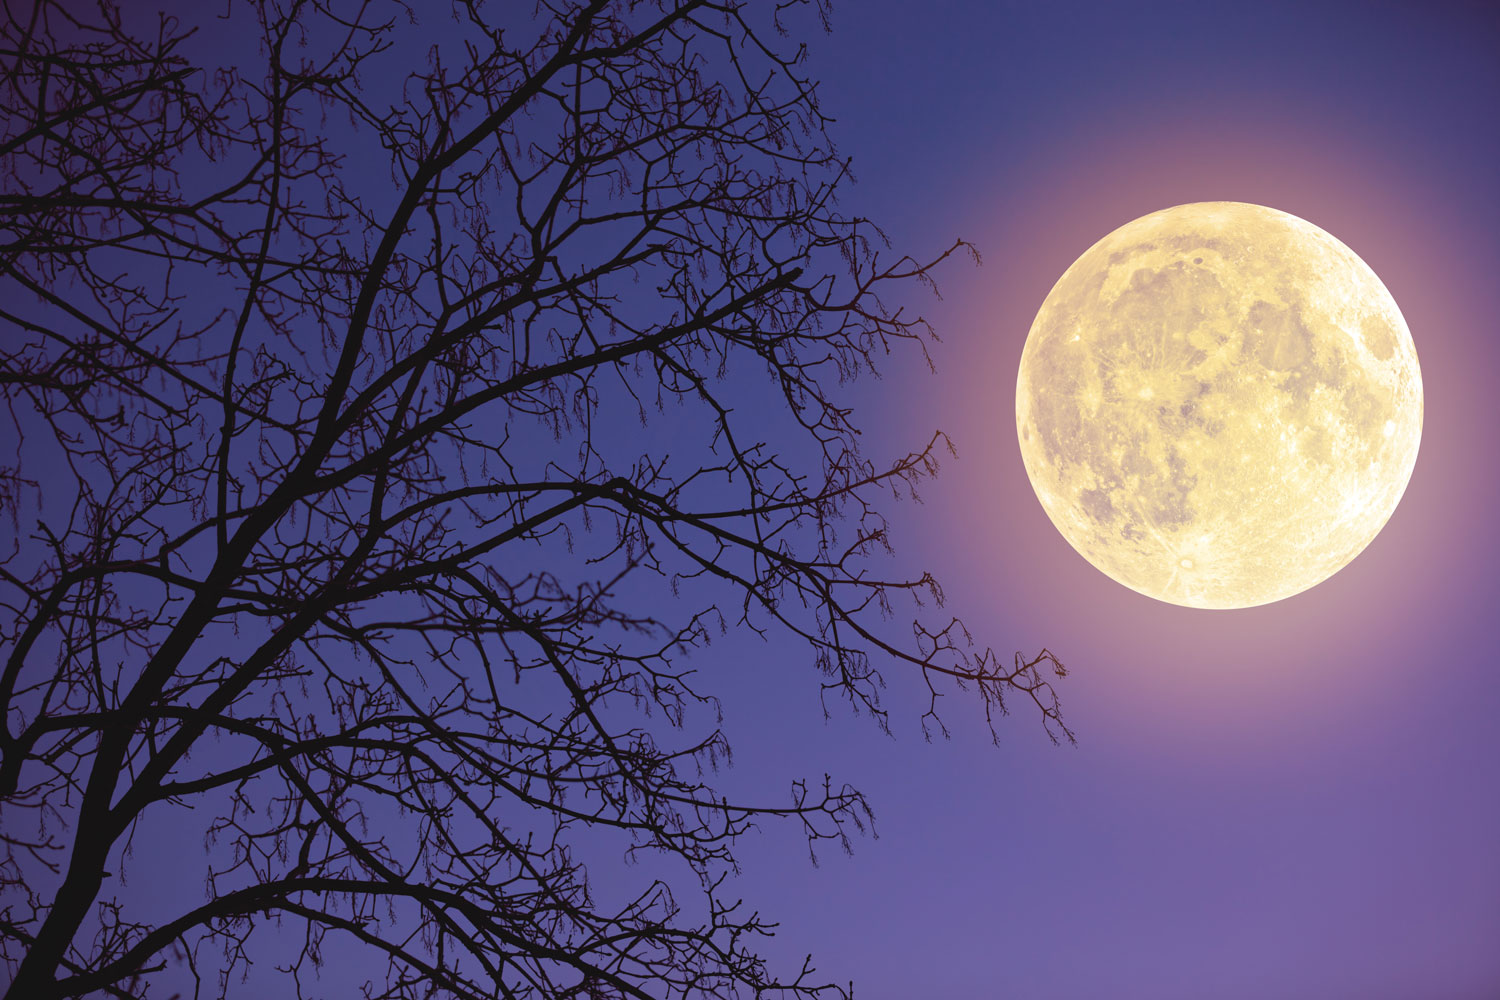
(403, 397)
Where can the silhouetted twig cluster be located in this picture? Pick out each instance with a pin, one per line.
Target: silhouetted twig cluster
(385, 440)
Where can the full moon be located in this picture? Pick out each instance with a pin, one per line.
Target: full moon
(1219, 405)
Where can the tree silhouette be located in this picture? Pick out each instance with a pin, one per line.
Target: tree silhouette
(400, 407)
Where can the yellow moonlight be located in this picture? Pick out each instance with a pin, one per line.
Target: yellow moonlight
(1219, 405)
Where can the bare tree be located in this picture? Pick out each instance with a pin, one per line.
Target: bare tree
(341, 347)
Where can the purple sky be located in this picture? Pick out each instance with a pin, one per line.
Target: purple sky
(1299, 800)
(1295, 801)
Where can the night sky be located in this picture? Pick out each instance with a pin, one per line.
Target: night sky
(1300, 800)
(1296, 800)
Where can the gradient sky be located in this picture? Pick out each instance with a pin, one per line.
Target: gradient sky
(1297, 800)
(1300, 800)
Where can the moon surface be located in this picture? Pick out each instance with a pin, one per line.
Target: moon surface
(1219, 405)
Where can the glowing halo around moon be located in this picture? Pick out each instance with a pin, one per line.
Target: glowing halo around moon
(1219, 405)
